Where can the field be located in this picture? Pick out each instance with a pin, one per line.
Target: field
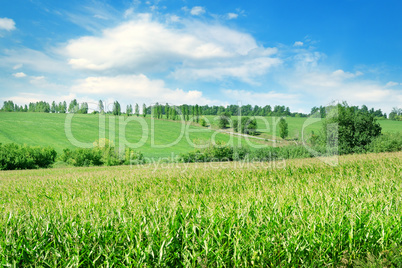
(160, 139)
(267, 126)
(298, 213)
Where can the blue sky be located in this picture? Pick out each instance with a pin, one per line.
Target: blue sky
(295, 53)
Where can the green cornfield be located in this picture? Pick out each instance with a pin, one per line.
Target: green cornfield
(298, 213)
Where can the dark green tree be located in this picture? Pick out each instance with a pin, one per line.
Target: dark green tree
(101, 108)
(116, 108)
(283, 128)
(223, 120)
(144, 110)
(137, 110)
(351, 129)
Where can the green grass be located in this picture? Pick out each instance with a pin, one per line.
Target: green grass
(268, 128)
(160, 140)
(296, 214)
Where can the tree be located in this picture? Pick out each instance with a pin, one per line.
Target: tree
(116, 108)
(352, 130)
(101, 108)
(129, 110)
(167, 108)
(245, 125)
(223, 120)
(53, 108)
(137, 110)
(73, 107)
(283, 128)
(84, 108)
(197, 113)
(144, 110)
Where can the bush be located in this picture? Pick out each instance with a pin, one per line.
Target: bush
(203, 122)
(14, 156)
(219, 152)
(103, 153)
(354, 131)
(82, 157)
(212, 153)
(388, 142)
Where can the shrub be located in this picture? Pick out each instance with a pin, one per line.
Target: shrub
(14, 156)
(103, 153)
(212, 153)
(203, 122)
(388, 142)
(354, 131)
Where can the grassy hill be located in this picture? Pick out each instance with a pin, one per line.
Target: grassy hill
(267, 129)
(158, 139)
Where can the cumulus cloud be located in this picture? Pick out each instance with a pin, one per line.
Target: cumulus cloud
(197, 11)
(392, 84)
(7, 24)
(19, 75)
(245, 70)
(144, 44)
(232, 16)
(319, 85)
(137, 88)
(298, 44)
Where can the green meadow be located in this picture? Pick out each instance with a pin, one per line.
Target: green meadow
(268, 128)
(154, 138)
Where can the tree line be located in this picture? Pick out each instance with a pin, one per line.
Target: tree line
(173, 112)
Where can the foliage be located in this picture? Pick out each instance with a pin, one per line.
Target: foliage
(388, 142)
(103, 153)
(211, 153)
(396, 114)
(116, 108)
(245, 125)
(283, 128)
(350, 129)
(203, 122)
(224, 120)
(216, 215)
(14, 156)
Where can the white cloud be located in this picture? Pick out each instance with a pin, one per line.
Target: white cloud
(392, 84)
(197, 11)
(137, 88)
(129, 12)
(7, 24)
(98, 16)
(33, 59)
(16, 67)
(231, 16)
(298, 44)
(319, 85)
(244, 70)
(19, 75)
(143, 44)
